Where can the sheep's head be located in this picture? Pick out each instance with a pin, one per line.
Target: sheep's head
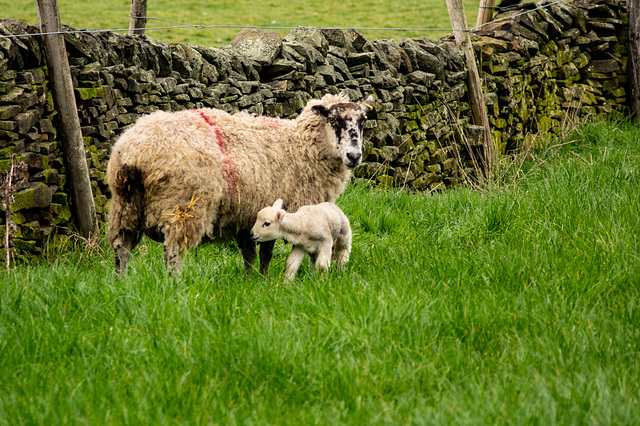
(267, 226)
(347, 121)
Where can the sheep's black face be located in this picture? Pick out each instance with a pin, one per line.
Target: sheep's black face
(347, 121)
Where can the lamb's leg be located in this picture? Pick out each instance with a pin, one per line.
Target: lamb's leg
(342, 257)
(342, 251)
(266, 253)
(323, 261)
(123, 244)
(313, 257)
(293, 263)
(247, 248)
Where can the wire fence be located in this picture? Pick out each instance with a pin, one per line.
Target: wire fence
(182, 25)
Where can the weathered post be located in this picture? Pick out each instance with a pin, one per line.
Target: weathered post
(478, 106)
(633, 13)
(138, 9)
(485, 12)
(65, 101)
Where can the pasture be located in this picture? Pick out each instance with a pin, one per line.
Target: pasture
(517, 302)
(114, 14)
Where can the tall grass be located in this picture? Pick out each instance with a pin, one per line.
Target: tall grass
(515, 304)
(114, 14)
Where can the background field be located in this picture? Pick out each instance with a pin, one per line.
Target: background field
(114, 14)
(515, 303)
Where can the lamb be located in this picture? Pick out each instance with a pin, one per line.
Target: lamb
(193, 175)
(317, 230)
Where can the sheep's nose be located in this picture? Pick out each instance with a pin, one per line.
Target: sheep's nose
(354, 157)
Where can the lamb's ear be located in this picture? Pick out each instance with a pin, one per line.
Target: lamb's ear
(278, 204)
(367, 105)
(320, 110)
(280, 215)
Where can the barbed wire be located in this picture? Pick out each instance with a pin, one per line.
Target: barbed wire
(181, 25)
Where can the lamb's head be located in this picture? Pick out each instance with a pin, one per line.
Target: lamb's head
(346, 121)
(267, 226)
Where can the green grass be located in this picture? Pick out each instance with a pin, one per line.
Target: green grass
(517, 303)
(114, 14)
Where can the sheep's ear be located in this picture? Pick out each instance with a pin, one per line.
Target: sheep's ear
(320, 110)
(278, 204)
(367, 105)
(280, 215)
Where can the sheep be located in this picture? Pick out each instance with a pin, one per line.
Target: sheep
(317, 230)
(203, 174)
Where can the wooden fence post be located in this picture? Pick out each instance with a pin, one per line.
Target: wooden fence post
(64, 98)
(485, 12)
(633, 13)
(138, 8)
(478, 106)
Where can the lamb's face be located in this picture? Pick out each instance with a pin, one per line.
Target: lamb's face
(267, 226)
(347, 121)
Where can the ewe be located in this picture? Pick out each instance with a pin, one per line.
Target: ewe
(183, 176)
(317, 230)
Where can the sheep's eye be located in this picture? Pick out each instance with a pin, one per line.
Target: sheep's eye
(266, 224)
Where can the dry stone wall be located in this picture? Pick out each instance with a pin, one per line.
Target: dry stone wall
(538, 69)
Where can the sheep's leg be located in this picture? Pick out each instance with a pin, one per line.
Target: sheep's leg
(247, 248)
(172, 258)
(266, 253)
(123, 244)
(293, 263)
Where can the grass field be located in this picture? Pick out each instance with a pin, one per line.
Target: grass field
(517, 303)
(114, 14)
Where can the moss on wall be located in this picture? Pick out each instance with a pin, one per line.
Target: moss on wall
(539, 71)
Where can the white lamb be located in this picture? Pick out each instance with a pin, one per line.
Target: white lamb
(321, 230)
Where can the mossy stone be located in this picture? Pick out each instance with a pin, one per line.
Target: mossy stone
(37, 196)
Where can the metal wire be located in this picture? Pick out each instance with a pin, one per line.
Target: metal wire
(202, 26)
(267, 27)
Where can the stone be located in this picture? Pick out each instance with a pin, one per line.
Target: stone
(9, 111)
(37, 196)
(26, 120)
(603, 66)
(354, 39)
(48, 176)
(421, 77)
(311, 36)
(340, 65)
(335, 37)
(421, 59)
(354, 59)
(258, 45)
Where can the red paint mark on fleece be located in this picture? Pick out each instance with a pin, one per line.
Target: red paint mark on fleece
(273, 121)
(230, 166)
